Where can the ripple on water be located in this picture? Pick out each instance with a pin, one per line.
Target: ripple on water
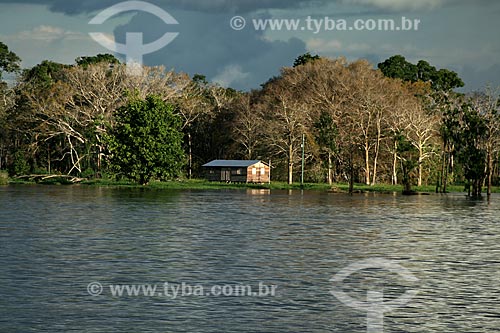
(56, 240)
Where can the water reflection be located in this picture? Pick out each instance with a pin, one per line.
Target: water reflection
(55, 240)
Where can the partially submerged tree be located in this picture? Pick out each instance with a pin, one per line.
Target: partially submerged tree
(469, 141)
(479, 144)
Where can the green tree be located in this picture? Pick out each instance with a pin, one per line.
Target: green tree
(19, 165)
(92, 60)
(9, 61)
(408, 155)
(442, 83)
(200, 79)
(397, 67)
(146, 141)
(44, 74)
(425, 71)
(469, 138)
(304, 59)
(446, 80)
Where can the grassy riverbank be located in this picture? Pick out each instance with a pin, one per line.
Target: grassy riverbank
(199, 184)
(4, 178)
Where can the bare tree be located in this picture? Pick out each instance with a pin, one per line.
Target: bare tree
(326, 91)
(247, 126)
(287, 118)
(421, 129)
(97, 91)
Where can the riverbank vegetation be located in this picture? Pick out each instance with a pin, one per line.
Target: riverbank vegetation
(4, 178)
(402, 124)
(201, 184)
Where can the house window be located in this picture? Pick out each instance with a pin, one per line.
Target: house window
(238, 172)
(262, 171)
(254, 171)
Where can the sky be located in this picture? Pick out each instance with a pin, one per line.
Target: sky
(461, 35)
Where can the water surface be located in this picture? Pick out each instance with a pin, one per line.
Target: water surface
(55, 240)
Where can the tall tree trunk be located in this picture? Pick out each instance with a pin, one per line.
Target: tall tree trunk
(451, 167)
(48, 159)
(351, 178)
(438, 182)
(190, 156)
(367, 163)
(375, 161)
(290, 164)
(330, 181)
(377, 149)
(444, 172)
(406, 178)
(420, 166)
(395, 164)
(350, 169)
(374, 177)
(476, 190)
(99, 161)
(489, 172)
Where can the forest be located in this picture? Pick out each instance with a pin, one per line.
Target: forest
(393, 123)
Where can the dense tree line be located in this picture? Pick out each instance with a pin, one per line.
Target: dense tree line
(400, 123)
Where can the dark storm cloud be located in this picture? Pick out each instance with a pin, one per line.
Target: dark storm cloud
(207, 45)
(243, 6)
(478, 78)
(214, 6)
(244, 59)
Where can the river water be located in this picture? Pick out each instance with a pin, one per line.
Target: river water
(60, 244)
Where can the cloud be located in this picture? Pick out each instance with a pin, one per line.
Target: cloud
(49, 34)
(207, 45)
(50, 42)
(247, 6)
(415, 5)
(230, 75)
(478, 78)
(206, 6)
(323, 46)
(397, 5)
(244, 59)
(335, 46)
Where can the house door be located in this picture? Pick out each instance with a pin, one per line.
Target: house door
(225, 175)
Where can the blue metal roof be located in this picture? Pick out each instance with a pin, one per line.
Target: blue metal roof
(231, 163)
